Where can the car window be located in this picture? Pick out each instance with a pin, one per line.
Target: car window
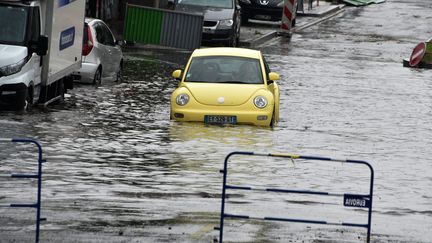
(85, 36)
(208, 3)
(267, 67)
(100, 33)
(225, 69)
(35, 25)
(109, 38)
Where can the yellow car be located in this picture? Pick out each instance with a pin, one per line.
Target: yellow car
(226, 86)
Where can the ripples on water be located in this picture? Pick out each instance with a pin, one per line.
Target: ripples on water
(117, 164)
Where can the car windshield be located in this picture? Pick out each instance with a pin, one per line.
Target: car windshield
(13, 22)
(225, 69)
(208, 3)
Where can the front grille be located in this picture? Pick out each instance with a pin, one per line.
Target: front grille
(210, 23)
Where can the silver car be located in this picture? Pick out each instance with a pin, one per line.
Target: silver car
(102, 57)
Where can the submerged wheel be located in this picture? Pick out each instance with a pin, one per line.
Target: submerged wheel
(120, 73)
(98, 76)
(273, 120)
(234, 41)
(24, 100)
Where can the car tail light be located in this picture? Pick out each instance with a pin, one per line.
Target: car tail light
(88, 41)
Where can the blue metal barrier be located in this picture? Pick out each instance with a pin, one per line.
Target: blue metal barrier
(350, 200)
(37, 176)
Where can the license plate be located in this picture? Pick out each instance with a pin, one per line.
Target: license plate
(220, 119)
(264, 17)
(207, 30)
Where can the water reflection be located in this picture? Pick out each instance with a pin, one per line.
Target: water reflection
(116, 161)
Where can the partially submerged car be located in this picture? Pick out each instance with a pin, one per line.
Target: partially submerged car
(102, 57)
(221, 19)
(270, 10)
(226, 86)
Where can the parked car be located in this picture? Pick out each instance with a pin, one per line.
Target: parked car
(221, 19)
(262, 10)
(102, 57)
(223, 85)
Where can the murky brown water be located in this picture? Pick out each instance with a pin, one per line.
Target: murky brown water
(119, 170)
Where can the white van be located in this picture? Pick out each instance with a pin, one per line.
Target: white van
(40, 46)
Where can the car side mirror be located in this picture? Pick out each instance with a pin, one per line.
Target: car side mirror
(120, 42)
(177, 74)
(41, 47)
(272, 76)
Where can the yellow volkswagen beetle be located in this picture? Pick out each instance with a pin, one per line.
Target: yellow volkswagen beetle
(226, 86)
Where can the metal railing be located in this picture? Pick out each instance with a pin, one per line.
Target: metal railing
(349, 199)
(37, 176)
(163, 27)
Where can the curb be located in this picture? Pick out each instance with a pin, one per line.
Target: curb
(330, 13)
(329, 10)
(260, 40)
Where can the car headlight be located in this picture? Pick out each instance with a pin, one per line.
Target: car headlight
(225, 24)
(260, 102)
(13, 68)
(246, 1)
(182, 99)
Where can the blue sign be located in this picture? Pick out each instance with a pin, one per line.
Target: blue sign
(358, 201)
(67, 38)
(64, 2)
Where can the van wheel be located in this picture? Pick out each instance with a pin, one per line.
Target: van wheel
(24, 100)
(98, 76)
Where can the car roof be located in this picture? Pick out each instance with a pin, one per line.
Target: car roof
(88, 20)
(227, 51)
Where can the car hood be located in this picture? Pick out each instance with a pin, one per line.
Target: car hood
(10, 54)
(269, 3)
(222, 94)
(210, 13)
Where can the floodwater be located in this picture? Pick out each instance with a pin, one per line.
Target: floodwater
(118, 170)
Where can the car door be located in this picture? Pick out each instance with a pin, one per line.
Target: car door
(102, 48)
(274, 88)
(114, 52)
(36, 60)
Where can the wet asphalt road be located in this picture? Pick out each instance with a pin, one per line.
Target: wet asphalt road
(119, 170)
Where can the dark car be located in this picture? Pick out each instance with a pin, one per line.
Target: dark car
(262, 10)
(221, 19)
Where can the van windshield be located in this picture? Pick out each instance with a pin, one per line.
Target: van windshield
(208, 3)
(13, 22)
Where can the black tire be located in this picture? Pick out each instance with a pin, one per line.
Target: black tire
(120, 73)
(273, 120)
(234, 41)
(24, 100)
(98, 76)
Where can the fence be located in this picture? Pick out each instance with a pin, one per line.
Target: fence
(163, 27)
(38, 176)
(349, 199)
